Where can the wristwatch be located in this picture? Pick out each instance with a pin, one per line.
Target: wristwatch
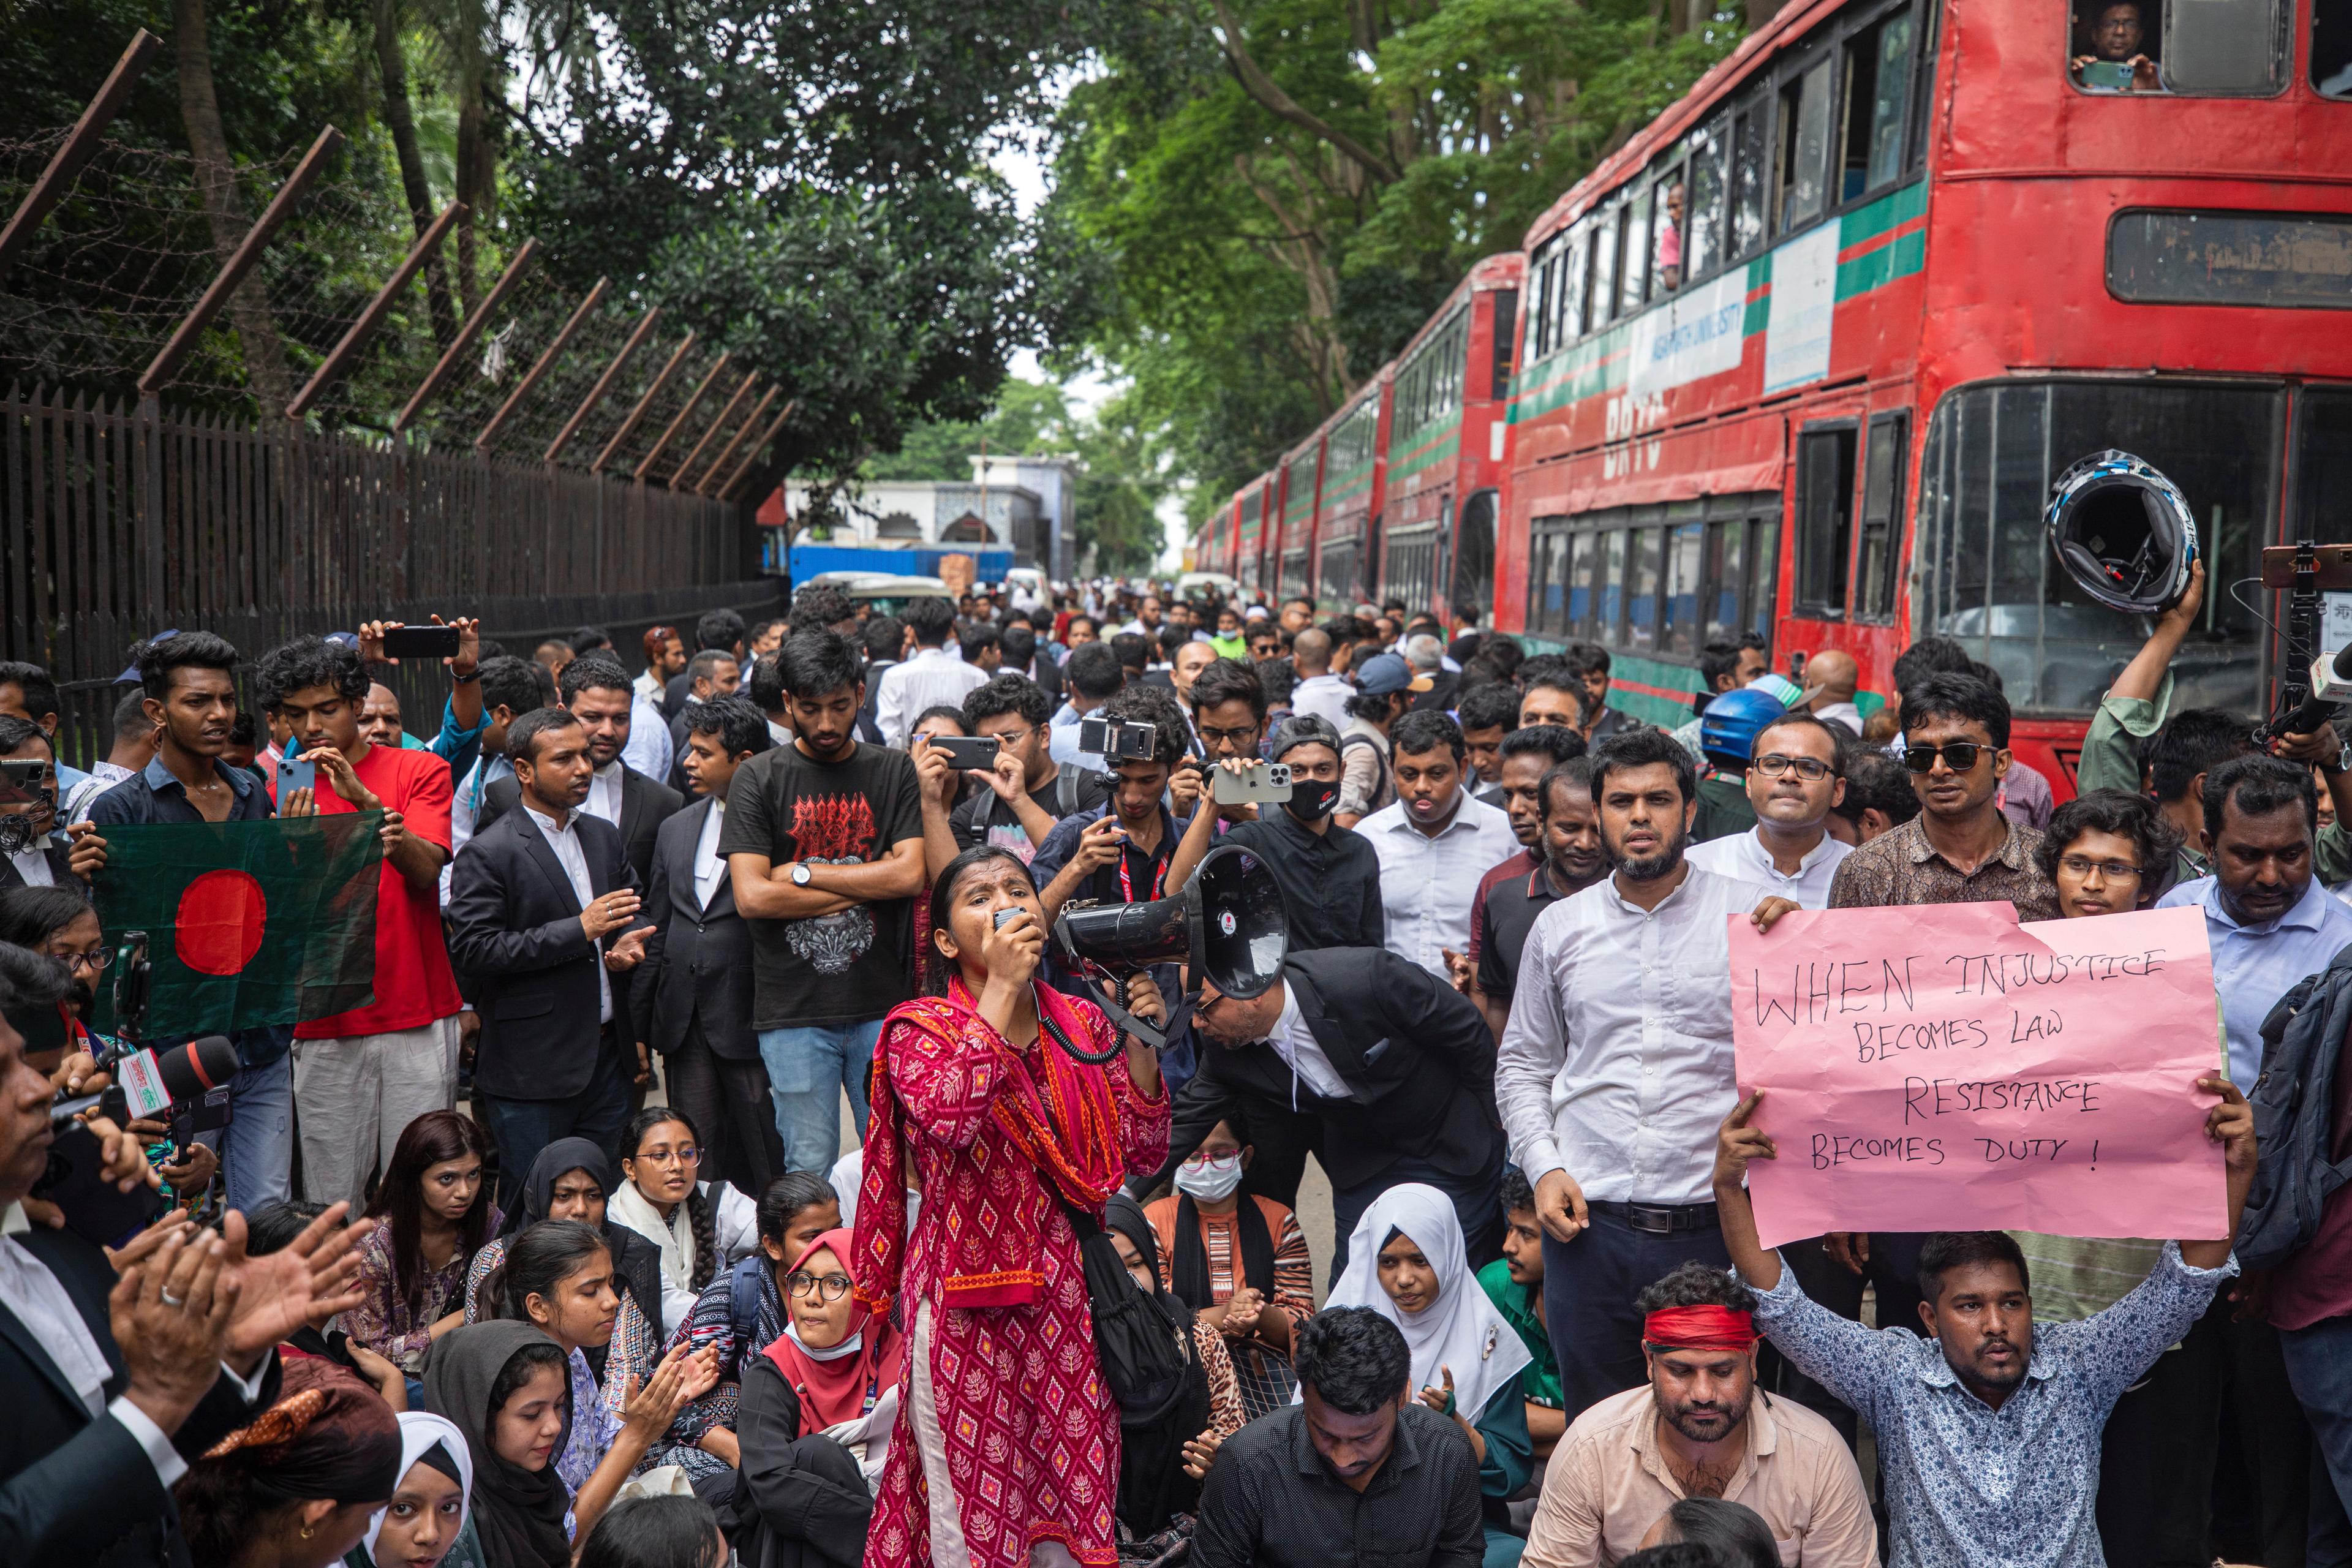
(800, 874)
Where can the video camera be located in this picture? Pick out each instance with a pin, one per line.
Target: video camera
(2310, 685)
(1226, 922)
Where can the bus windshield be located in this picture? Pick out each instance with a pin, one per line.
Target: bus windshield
(1984, 571)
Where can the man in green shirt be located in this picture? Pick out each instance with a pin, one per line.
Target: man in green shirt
(1514, 1282)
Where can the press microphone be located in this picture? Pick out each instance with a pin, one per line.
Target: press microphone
(2331, 684)
(149, 1083)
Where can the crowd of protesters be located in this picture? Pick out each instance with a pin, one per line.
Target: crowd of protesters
(549, 1251)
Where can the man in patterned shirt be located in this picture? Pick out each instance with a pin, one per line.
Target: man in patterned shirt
(1989, 1428)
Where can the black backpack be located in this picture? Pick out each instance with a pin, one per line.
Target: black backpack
(1144, 1350)
(2294, 1102)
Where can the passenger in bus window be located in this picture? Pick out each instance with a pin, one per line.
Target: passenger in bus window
(1670, 241)
(2117, 59)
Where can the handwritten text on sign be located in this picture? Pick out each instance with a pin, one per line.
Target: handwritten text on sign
(1944, 1068)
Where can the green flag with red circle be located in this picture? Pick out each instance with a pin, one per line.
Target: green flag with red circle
(247, 923)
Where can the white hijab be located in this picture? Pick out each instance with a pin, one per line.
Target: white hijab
(1461, 1331)
(420, 1430)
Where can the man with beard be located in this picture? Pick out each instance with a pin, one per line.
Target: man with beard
(1625, 988)
(1566, 859)
(1700, 1428)
(1989, 1428)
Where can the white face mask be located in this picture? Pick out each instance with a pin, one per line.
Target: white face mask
(1209, 1179)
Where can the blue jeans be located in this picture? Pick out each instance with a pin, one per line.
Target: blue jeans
(257, 1147)
(2319, 1369)
(807, 1070)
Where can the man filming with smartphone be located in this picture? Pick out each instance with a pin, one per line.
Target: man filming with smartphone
(1119, 853)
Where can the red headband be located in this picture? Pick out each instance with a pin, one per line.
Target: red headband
(1699, 1329)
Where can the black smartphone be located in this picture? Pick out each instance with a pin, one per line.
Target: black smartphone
(968, 750)
(420, 642)
(94, 1208)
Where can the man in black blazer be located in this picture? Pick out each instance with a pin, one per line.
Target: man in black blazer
(694, 991)
(544, 916)
(1397, 1067)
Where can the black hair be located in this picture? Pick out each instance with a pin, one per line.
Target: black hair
(1375, 706)
(594, 672)
(883, 637)
(525, 730)
(1354, 1359)
(1558, 742)
(1277, 677)
(524, 1364)
(931, 619)
(941, 968)
(1717, 659)
(737, 723)
(537, 1260)
(1229, 680)
(1961, 697)
(1797, 719)
(399, 1203)
(782, 1201)
(766, 685)
(674, 1531)
(1094, 623)
(704, 666)
(1019, 644)
(512, 684)
(1574, 775)
(1343, 629)
(1007, 693)
(306, 662)
(159, 660)
(1155, 706)
(816, 664)
(29, 916)
(1546, 670)
(2259, 785)
(1736, 1534)
(1132, 649)
(1874, 780)
(1586, 659)
(2125, 814)
(698, 1212)
(977, 640)
(1640, 749)
(1949, 1249)
(1502, 653)
(587, 637)
(32, 981)
(820, 607)
(245, 730)
(131, 720)
(15, 731)
(2194, 740)
(274, 1227)
(1514, 1194)
(1491, 705)
(950, 711)
(1427, 730)
(39, 687)
(1930, 656)
(719, 629)
(1170, 639)
(1094, 670)
(1692, 1283)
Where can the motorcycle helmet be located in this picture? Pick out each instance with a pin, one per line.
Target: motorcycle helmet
(1727, 730)
(2123, 532)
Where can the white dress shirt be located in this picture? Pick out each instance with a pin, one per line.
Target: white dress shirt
(647, 685)
(649, 748)
(1430, 883)
(709, 870)
(563, 837)
(1845, 714)
(932, 676)
(1325, 696)
(33, 865)
(1616, 1065)
(1743, 858)
(1295, 1042)
(605, 788)
(779, 733)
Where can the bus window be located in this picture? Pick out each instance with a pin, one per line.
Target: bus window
(1666, 248)
(1879, 570)
(1725, 579)
(1764, 577)
(1825, 520)
(1686, 547)
(1641, 592)
(1540, 289)
(1608, 579)
(1608, 239)
(1636, 253)
(2323, 463)
(1804, 147)
(2331, 48)
(1877, 96)
(2224, 48)
(2114, 50)
(1924, 97)
(1705, 235)
(1582, 549)
(1570, 296)
(1747, 179)
(1986, 575)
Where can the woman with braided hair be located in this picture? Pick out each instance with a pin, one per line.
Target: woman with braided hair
(1006, 1450)
(298, 1485)
(700, 1226)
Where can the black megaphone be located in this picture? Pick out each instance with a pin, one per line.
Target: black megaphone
(1227, 922)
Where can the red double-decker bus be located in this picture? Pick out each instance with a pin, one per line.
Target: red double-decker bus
(1804, 357)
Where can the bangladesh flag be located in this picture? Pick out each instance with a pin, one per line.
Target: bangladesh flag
(247, 923)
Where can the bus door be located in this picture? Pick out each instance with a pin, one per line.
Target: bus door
(1473, 555)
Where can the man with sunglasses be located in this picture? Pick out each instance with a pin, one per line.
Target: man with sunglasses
(1792, 780)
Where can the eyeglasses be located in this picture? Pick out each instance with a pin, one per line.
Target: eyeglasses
(1812, 770)
(1244, 737)
(93, 961)
(684, 1155)
(1961, 756)
(2112, 871)
(828, 1288)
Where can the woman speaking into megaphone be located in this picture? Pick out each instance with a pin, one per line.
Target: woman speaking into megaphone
(1008, 1434)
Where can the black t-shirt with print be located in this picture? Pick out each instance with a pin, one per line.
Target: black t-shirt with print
(841, 968)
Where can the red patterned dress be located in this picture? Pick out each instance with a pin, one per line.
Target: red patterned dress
(1004, 1407)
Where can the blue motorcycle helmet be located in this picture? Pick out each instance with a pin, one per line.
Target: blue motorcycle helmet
(2123, 532)
(1727, 730)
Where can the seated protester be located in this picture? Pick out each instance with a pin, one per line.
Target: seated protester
(1878, 796)
(741, 1312)
(430, 1515)
(432, 1215)
(819, 1403)
(700, 1226)
(503, 1386)
(1357, 1470)
(1509, 903)
(1160, 1467)
(1488, 711)
(657, 1533)
(1987, 1430)
(1735, 1535)
(569, 1180)
(1514, 1282)
(1238, 1263)
(1329, 876)
(298, 1484)
(1700, 1426)
(1405, 1261)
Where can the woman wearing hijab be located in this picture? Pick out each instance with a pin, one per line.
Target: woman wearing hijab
(815, 1416)
(505, 1388)
(1154, 1482)
(1006, 1451)
(1406, 1262)
(428, 1520)
(296, 1487)
(572, 1180)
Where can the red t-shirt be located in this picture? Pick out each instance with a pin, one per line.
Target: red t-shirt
(413, 983)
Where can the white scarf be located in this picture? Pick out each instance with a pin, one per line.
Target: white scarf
(420, 1430)
(673, 1235)
(1461, 1331)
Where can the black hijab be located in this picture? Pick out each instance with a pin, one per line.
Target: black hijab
(1152, 1485)
(518, 1513)
(636, 1262)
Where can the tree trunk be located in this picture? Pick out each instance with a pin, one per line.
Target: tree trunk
(393, 65)
(476, 159)
(248, 307)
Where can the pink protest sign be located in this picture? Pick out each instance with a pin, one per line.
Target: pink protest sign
(1944, 1068)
